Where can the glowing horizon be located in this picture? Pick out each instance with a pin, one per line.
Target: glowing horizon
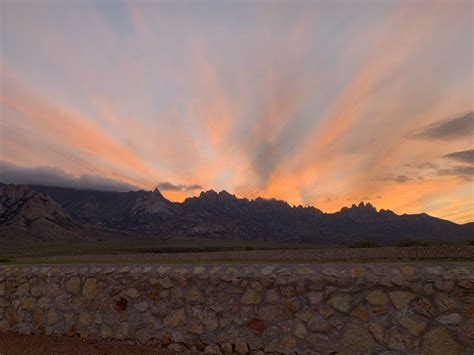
(315, 103)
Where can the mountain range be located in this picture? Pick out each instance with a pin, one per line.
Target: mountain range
(63, 214)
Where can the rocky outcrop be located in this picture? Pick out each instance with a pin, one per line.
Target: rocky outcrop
(22, 206)
(218, 309)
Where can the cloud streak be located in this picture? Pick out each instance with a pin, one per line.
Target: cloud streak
(466, 156)
(458, 127)
(168, 186)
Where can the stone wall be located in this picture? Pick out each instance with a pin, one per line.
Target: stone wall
(313, 308)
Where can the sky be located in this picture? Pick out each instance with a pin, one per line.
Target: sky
(323, 103)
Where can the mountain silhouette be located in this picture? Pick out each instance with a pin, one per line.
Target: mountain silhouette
(219, 215)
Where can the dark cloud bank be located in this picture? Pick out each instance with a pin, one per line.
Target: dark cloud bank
(53, 176)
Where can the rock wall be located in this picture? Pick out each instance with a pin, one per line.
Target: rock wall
(313, 308)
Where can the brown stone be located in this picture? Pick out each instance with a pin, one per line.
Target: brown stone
(53, 316)
(143, 335)
(423, 306)
(105, 331)
(342, 303)
(28, 304)
(152, 296)
(444, 285)
(196, 327)
(194, 295)
(439, 342)
(356, 340)
(288, 342)
(85, 319)
(408, 270)
(4, 326)
(251, 297)
(326, 312)
(315, 297)
(401, 298)
(318, 325)
(300, 331)
(272, 296)
(469, 311)
(175, 318)
(415, 326)
(11, 316)
(73, 285)
(132, 293)
(226, 348)
(38, 318)
(241, 347)
(377, 331)
(466, 297)
(293, 306)
(121, 304)
(89, 290)
(377, 297)
(444, 302)
(23, 289)
(256, 325)
(360, 312)
(357, 272)
(273, 313)
(212, 349)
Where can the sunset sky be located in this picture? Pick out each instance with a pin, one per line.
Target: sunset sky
(323, 103)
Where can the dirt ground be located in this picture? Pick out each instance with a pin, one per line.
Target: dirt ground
(17, 344)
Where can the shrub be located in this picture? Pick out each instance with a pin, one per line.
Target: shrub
(412, 243)
(363, 244)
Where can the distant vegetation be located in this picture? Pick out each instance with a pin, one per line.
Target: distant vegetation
(363, 244)
(412, 243)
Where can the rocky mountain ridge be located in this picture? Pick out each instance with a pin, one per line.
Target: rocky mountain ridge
(220, 215)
